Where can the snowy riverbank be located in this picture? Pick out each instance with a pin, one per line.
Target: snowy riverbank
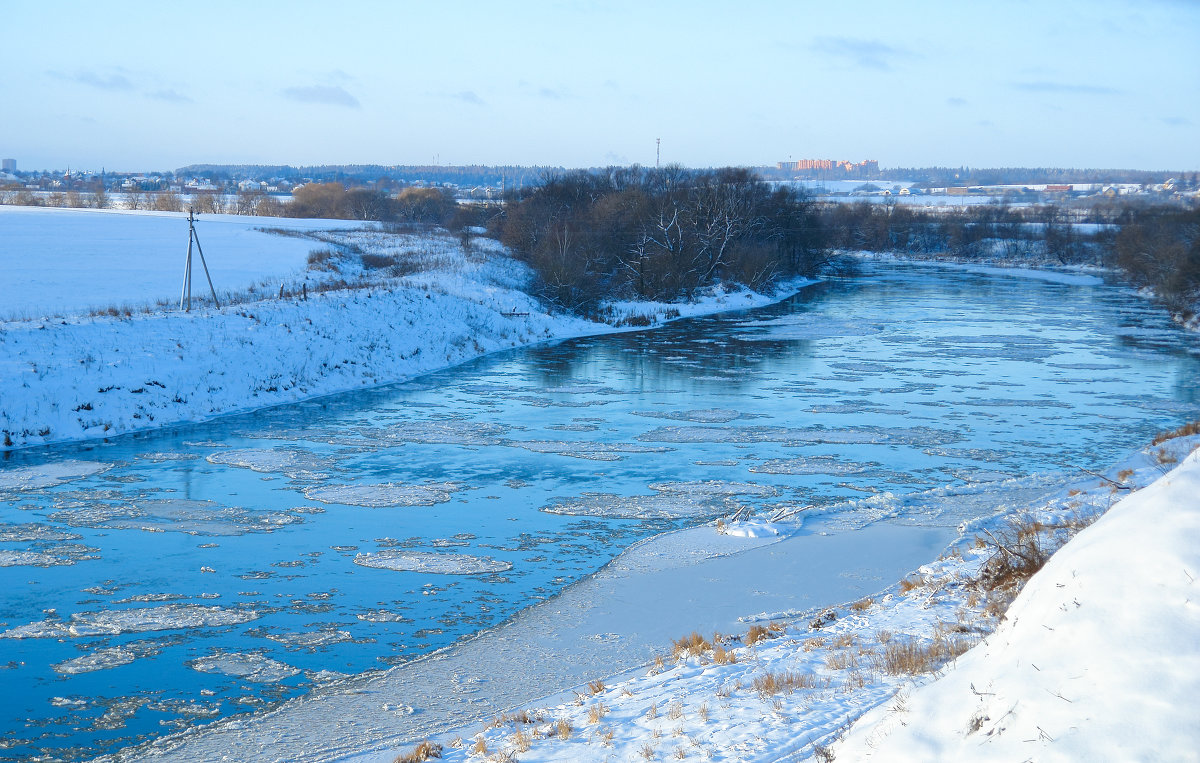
(76, 378)
(1116, 676)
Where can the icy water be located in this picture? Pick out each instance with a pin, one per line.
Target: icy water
(163, 581)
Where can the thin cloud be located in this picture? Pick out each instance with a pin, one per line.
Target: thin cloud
(467, 96)
(110, 82)
(170, 96)
(1177, 121)
(867, 54)
(328, 95)
(1063, 88)
(956, 101)
(551, 94)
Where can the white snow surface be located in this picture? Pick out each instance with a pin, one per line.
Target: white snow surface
(67, 261)
(1099, 658)
(82, 377)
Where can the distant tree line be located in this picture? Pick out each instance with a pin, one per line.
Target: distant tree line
(632, 232)
(1044, 233)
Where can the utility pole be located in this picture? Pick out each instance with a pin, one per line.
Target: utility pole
(657, 152)
(185, 299)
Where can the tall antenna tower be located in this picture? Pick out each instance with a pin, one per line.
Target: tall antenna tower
(185, 299)
(657, 152)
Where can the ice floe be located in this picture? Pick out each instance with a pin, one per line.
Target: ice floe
(386, 494)
(113, 622)
(702, 416)
(592, 451)
(292, 462)
(175, 515)
(247, 665)
(446, 563)
(672, 500)
(105, 658)
(866, 435)
(49, 475)
(813, 465)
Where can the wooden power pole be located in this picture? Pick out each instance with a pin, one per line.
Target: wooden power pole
(185, 299)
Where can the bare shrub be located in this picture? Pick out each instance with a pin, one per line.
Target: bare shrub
(1019, 552)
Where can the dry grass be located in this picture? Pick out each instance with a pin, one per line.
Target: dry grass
(770, 684)
(703, 713)
(652, 713)
(647, 751)
(521, 741)
(758, 633)
(844, 641)
(814, 643)
(723, 656)
(422, 752)
(595, 687)
(480, 747)
(693, 645)
(911, 658)
(862, 604)
(563, 729)
(675, 712)
(911, 583)
(841, 660)
(596, 712)
(1186, 430)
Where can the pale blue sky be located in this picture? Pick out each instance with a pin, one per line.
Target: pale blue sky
(157, 85)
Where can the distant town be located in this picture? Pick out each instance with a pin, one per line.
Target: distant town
(826, 178)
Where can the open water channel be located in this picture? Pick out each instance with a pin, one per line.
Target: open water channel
(163, 581)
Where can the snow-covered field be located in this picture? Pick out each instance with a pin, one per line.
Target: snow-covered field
(70, 261)
(1097, 659)
(86, 376)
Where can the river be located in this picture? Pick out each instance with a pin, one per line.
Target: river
(163, 581)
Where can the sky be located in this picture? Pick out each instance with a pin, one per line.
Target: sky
(141, 86)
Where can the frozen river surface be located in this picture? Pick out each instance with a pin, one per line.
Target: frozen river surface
(162, 582)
